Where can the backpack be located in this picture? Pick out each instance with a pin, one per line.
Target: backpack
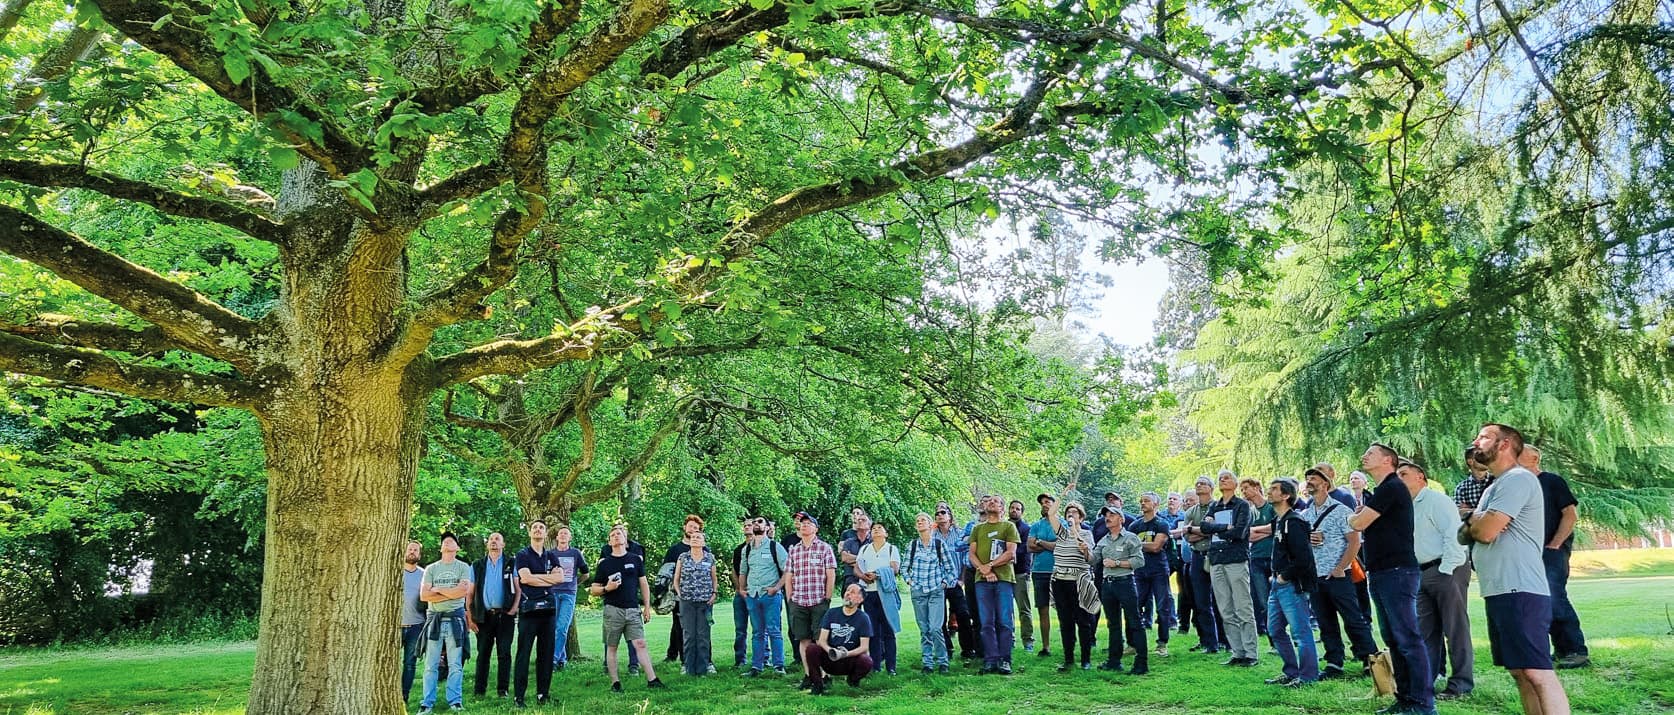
(663, 597)
(779, 568)
(912, 553)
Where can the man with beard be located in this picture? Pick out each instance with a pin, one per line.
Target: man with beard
(842, 648)
(412, 615)
(1041, 540)
(993, 546)
(494, 608)
(1228, 526)
(1335, 604)
(1014, 514)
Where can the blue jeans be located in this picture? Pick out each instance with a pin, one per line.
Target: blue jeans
(1567, 638)
(562, 616)
(740, 630)
(930, 609)
(1261, 574)
(443, 631)
(994, 606)
(1395, 595)
(765, 612)
(1288, 608)
(409, 656)
(882, 635)
(1155, 600)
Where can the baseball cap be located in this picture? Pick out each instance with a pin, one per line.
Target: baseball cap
(801, 515)
(1108, 495)
(1043, 497)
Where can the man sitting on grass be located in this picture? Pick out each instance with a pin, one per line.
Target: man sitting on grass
(845, 633)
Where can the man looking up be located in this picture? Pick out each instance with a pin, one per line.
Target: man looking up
(494, 608)
(1151, 579)
(993, 546)
(447, 583)
(1506, 527)
(1041, 540)
(1335, 604)
(1442, 617)
(1386, 519)
(1227, 523)
(813, 574)
(537, 573)
(620, 579)
(1569, 644)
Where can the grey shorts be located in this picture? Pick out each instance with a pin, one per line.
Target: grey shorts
(805, 621)
(619, 622)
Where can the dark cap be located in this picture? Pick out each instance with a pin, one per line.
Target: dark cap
(1108, 495)
(1044, 496)
(1316, 470)
(448, 535)
(802, 515)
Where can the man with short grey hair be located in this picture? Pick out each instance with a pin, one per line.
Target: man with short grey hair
(1227, 524)
(1442, 616)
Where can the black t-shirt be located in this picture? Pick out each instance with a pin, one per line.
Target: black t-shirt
(1389, 540)
(538, 564)
(1558, 497)
(1156, 563)
(846, 630)
(632, 567)
(634, 547)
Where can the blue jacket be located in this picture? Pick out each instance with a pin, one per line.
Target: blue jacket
(890, 594)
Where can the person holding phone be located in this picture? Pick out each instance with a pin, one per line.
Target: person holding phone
(620, 579)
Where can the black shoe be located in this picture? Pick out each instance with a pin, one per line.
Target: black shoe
(1086, 665)
(929, 670)
(808, 682)
(1139, 669)
(754, 673)
(1043, 653)
(616, 686)
(944, 670)
(1111, 666)
(1197, 649)
(541, 700)
(502, 694)
(656, 683)
(1245, 663)
(1004, 668)
(816, 689)
(1064, 668)
(1333, 673)
(1571, 661)
(1233, 662)
(521, 705)
(986, 670)
(1281, 679)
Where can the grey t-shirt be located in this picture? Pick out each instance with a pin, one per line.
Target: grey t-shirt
(441, 575)
(1512, 564)
(410, 582)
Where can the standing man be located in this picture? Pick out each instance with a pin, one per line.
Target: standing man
(1203, 591)
(1335, 604)
(957, 605)
(993, 546)
(1227, 524)
(762, 581)
(1293, 580)
(1569, 645)
(1506, 527)
(1386, 519)
(494, 608)
(620, 579)
(1358, 494)
(1119, 553)
(1151, 578)
(849, 547)
(446, 586)
(572, 567)
(1179, 562)
(1261, 548)
(1021, 565)
(842, 648)
(412, 614)
(1442, 617)
(1041, 539)
(813, 574)
(740, 607)
(537, 573)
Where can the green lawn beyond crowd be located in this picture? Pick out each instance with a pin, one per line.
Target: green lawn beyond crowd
(1622, 597)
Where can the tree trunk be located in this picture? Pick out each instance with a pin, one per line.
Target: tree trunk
(341, 463)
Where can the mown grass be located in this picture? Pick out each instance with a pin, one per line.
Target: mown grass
(1623, 616)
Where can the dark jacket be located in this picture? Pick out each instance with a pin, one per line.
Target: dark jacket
(1293, 555)
(508, 581)
(1234, 544)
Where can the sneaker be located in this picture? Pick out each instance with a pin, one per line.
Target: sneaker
(1297, 683)
(806, 683)
(816, 689)
(892, 673)
(1196, 649)
(616, 686)
(1139, 670)
(633, 669)
(754, 673)
(1064, 668)
(424, 711)
(1004, 668)
(1162, 651)
(711, 670)
(929, 670)
(1451, 695)
(457, 707)
(944, 670)
(1086, 666)
(1028, 646)
(1572, 661)
(656, 683)
(1111, 666)
(520, 704)
(989, 669)
(779, 670)
(1044, 652)
(541, 701)
(1281, 679)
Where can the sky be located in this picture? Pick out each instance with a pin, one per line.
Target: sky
(1129, 306)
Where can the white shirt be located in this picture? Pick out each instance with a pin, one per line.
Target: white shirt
(871, 559)
(1435, 524)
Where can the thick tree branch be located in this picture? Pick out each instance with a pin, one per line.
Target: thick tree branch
(10, 14)
(581, 406)
(168, 201)
(726, 29)
(188, 46)
(186, 316)
(93, 368)
(637, 465)
(65, 330)
(497, 427)
(51, 66)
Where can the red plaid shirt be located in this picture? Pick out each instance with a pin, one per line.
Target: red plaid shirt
(808, 564)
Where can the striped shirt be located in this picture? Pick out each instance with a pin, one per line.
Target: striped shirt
(1067, 561)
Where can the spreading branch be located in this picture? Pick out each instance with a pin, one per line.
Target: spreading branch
(65, 330)
(637, 465)
(168, 201)
(188, 318)
(93, 368)
(52, 66)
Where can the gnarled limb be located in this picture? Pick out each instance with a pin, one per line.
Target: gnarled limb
(188, 318)
(637, 465)
(65, 330)
(51, 66)
(166, 200)
(93, 368)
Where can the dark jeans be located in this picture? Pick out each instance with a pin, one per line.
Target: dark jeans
(973, 608)
(1121, 616)
(995, 602)
(494, 634)
(1185, 603)
(411, 636)
(1073, 621)
(740, 631)
(1154, 599)
(1395, 594)
(854, 667)
(676, 636)
(1203, 605)
(882, 635)
(1567, 638)
(1261, 574)
(961, 622)
(534, 630)
(1337, 608)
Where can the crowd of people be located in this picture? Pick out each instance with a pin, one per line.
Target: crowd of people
(1234, 560)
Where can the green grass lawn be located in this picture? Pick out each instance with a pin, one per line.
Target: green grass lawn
(1621, 610)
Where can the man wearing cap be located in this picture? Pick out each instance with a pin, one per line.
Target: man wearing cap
(1442, 617)
(813, 575)
(1386, 518)
(1014, 514)
(1335, 604)
(446, 586)
(1041, 539)
(961, 619)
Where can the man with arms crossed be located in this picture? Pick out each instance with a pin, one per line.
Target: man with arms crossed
(1506, 526)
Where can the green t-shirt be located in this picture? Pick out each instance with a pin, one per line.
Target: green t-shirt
(440, 575)
(991, 542)
(1265, 515)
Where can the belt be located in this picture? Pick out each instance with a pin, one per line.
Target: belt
(1118, 578)
(1426, 566)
